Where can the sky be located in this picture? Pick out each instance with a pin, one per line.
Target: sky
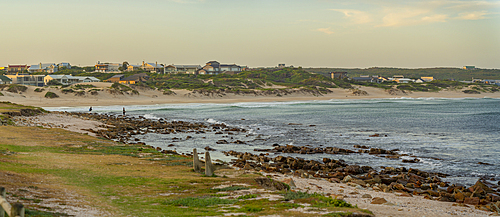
(307, 33)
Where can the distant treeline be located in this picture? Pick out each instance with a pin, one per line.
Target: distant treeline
(438, 73)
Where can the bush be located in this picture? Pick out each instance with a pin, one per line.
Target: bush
(84, 86)
(16, 88)
(80, 93)
(39, 90)
(65, 91)
(472, 92)
(51, 95)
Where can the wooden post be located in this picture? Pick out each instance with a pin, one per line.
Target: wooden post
(209, 167)
(2, 195)
(196, 161)
(17, 210)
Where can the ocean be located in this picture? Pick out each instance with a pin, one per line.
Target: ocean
(449, 136)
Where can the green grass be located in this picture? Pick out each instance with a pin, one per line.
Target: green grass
(199, 202)
(248, 196)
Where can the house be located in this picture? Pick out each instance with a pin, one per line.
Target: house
(27, 79)
(404, 80)
(133, 79)
(427, 79)
(281, 65)
(44, 67)
(64, 65)
(419, 80)
(107, 67)
(3, 68)
(152, 67)
(5, 80)
(381, 79)
(133, 68)
(188, 69)
(115, 79)
(469, 67)
(214, 68)
(17, 68)
(338, 75)
(69, 79)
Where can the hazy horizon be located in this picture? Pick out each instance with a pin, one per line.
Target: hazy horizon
(259, 33)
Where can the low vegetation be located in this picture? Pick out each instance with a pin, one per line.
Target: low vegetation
(51, 95)
(16, 88)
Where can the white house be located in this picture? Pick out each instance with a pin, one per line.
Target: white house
(43, 67)
(69, 79)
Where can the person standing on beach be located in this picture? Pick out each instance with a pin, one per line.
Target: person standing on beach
(123, 111)
(90, 109)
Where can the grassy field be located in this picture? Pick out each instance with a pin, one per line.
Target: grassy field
(52, 171)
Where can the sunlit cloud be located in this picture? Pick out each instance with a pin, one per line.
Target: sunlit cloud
(435, 18)
(476, 15)
(358, 17)
(325, 30)
(402, 17)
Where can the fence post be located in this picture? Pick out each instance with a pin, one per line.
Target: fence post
(196, 161)
(209, 167)
(2, 194)
(17, 210)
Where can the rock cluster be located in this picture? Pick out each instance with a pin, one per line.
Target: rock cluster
(122, 128)
(406, 182)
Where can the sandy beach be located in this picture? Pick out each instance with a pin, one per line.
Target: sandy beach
(397, 204)
(152, 97)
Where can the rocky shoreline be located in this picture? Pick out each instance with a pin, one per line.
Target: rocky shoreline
(484, 195)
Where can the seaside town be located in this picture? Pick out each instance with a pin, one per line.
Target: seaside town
(43, 73)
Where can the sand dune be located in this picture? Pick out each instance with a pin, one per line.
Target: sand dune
(147, 96)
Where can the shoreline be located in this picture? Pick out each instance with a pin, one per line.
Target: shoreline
(397, 202)
(153, 97)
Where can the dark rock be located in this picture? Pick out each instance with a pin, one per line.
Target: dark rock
(472, 200)
(378, 200)
(270, 184)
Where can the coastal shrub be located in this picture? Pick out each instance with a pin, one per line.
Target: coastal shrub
(135, 92)
(66, 91)
(94, 92)
(115, 92)
(120, 87)
(1, 94)
(80, 93)
(199, 202)
(83, 86)
(168, 92)
(51, 95)
(38, 90)
(17, 88)
(472, 92)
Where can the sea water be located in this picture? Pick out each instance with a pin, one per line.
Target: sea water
(449, 136)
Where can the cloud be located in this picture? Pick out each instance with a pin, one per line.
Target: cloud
(475, 15)
(472, 5)
(402, 17)
(435, 18)
(358, 17)
(325, 30)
